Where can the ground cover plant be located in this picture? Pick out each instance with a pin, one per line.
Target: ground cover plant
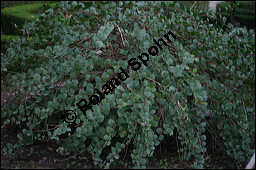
(206, 71)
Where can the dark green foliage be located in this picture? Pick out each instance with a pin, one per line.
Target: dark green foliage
(5, 40)
(244, 20)
(205, 68)
(249, 5)
(5, 4)
(196, 4)
(13, 18)
(244, 12)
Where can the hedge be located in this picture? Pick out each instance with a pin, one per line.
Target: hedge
(244, 20)
(18, 15)
(6, 4)
(250, 5)
(197, 4)
(244, 12)
(5, 39)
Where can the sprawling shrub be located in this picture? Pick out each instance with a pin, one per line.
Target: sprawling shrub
(204, 70)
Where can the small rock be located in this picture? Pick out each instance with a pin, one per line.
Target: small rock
(176, 165)
(207, 158)
(39, 167)
(50, 148)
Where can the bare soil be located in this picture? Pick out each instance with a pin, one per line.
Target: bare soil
(43, 155)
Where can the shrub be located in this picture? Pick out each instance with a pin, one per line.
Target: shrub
(204, 69)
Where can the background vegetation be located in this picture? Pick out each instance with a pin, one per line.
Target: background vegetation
(15, 14)
(196, 4)
(13, 18)
(244, 12)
